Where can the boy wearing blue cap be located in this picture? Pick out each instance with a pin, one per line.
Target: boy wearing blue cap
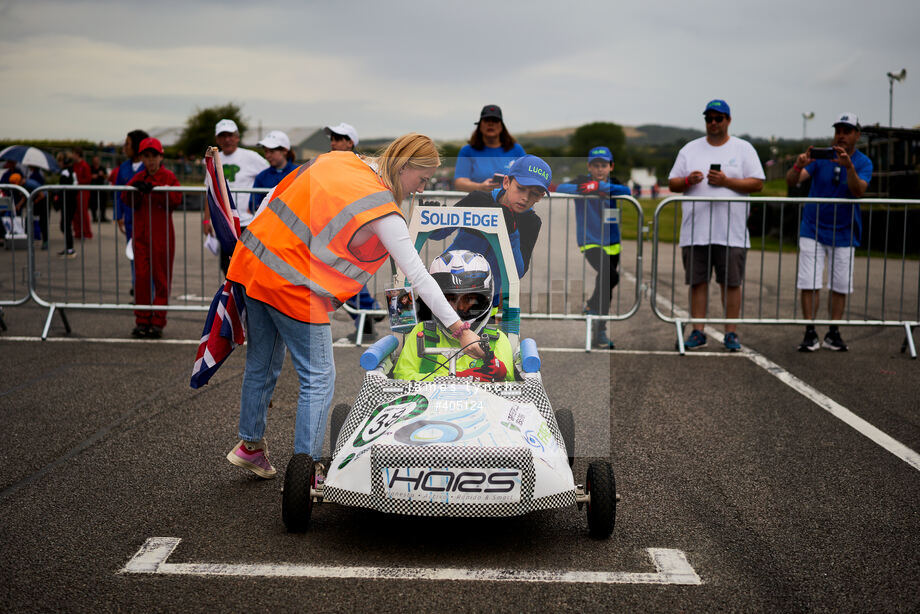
(598, 230)
(527, 181)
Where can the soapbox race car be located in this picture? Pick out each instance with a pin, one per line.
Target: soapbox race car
(448, 445)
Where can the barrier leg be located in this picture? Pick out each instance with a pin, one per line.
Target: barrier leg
(359, 333)
(909, 341)
(680, 338)
(3, 322)
(51, 311)
(588, 325)
(48, 322)
(63, 314)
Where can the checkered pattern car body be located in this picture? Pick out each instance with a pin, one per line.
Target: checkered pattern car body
(450, 447)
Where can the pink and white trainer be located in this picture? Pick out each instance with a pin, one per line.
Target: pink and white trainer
(254, 457)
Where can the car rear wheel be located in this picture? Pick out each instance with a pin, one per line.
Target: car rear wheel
(601, 486)
(296, 502)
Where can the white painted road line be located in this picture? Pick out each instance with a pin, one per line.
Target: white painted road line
(103, 340)
(838, 411)
(821, 400)
(671, 565)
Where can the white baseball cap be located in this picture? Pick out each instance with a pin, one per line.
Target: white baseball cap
(849, 119)
(225, 125)
(275, 139)
(343, 129)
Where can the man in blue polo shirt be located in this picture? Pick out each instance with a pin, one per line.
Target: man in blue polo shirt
(830, 231)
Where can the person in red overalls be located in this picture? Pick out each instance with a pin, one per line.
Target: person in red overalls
(82, 226)
(154, 237)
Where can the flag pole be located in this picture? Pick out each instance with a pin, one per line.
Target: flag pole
(214, 153)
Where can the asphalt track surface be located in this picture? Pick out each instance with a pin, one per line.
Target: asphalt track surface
(776, 504)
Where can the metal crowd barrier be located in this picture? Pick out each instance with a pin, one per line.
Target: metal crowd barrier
(886, 266)
(559, 279)
(99, 275)
(14, 281)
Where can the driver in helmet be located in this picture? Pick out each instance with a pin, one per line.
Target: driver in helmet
(466, 280)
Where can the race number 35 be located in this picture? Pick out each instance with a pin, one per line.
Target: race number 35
(398, 410)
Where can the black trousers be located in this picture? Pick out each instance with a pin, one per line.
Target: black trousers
(607, 278)
(69, 206)
(40, 211)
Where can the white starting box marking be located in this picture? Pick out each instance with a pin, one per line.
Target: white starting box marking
(671, 567)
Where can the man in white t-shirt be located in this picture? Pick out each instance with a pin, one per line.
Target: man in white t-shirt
(714, 235)
(240, 168)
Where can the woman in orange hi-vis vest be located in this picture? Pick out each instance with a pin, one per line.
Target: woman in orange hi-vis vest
(327, 229)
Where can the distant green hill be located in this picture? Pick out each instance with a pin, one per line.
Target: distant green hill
(655, 134)
(646, 135)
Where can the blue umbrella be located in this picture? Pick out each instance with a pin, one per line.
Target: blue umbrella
(30, 156)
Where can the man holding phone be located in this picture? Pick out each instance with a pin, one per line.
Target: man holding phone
(830, 232)
(714, 235)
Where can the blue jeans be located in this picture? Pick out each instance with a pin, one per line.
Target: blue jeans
(268, 332)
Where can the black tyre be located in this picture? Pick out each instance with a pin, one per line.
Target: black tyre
(602, 508)
(566, 423)
(339, 414)
(296, 503)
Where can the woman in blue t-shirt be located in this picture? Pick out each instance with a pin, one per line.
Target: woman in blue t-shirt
(490, 152)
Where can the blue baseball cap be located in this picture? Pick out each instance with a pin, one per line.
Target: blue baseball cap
(602, 153)
(531, 170)
(719, 106)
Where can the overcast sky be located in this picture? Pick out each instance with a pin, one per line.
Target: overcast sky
(98, 69)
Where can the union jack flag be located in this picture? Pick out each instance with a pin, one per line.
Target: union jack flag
(223, 328)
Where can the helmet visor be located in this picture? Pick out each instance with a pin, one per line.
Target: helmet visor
(469, 306)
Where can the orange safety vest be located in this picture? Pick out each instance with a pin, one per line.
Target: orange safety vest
(297, 256)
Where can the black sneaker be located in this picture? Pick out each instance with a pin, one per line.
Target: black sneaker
(139, 332)
(154, 332)
(833, 341)
(602, 341)
(810, 343)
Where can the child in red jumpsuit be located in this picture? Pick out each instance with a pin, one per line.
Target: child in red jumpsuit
(154, 237)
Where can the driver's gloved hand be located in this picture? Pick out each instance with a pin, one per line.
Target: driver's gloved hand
(492, 371)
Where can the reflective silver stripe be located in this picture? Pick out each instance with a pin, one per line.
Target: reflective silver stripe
(319, 244)
(279, 266)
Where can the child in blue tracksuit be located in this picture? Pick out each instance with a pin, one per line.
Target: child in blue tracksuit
(596, 215)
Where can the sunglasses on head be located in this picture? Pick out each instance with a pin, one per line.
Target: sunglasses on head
(714, 119)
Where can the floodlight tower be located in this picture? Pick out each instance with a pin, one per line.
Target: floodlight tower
(891, 79)
(805, 118)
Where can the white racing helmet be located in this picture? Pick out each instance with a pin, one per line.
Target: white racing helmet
(460, 271)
